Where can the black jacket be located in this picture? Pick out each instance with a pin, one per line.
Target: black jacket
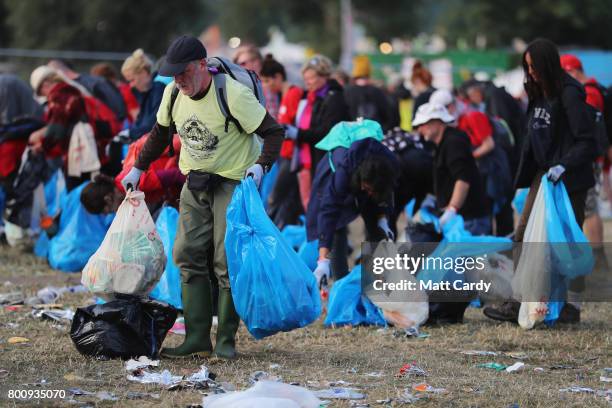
(560, 131)
(326, 112)
(368, 102)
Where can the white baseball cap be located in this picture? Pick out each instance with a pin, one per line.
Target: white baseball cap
(39, 75)
(441, 97)
(431, 111)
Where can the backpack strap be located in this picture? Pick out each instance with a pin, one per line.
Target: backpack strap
(221, 92)
(172, 129)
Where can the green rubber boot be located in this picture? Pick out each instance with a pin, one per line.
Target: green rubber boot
(229, 321)
(197, 310)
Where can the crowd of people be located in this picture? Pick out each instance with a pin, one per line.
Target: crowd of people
(186, 133)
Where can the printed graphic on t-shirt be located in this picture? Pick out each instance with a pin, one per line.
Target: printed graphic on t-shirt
(544, 118)
(198, 140)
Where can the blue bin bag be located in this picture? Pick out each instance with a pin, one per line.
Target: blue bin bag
(267, 184)
(55, 193)
(454, 232)
(272, 288)
(519, 199)
(348, 306)
(294, 235)
(569, 260)
(168, 289)
(309, 252)
(41, 248)
(80, 234)
(2, 205)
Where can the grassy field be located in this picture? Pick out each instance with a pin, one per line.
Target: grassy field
(316, 354)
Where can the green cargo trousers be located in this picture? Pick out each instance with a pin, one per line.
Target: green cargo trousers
(201, 225)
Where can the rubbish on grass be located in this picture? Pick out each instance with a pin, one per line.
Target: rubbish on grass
(55, 315)
(179, 327)
(274, 366)
(140, 395)
(17, 340)
(518, 355)
(410, 332)
(142, 362)
(606, 375)
(576, 389)
(424, 387)
(4, 374)
(262, 376)
(358, 404)
(202, 379)
(351, 370)
(538, 370)
(265, 394)
(13, 308)
(101, 395)
(494, 366)
(376, 374)
(164, 378)
(12, 325)
(12, 298)
(407, 398)
(515, 367)
(340, 393)
(561, 367)
(50, 294)
(411, 369)
(479, 353)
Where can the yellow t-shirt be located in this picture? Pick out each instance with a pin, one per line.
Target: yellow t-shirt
(205, 145)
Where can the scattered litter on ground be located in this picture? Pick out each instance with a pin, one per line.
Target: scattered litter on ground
(13, 308)
(515, 367)
(164, 378)
(375, 374)
(55, 315)
(517, 355)
(262, 376)
(17, 340)
(424, 387)
(561, 367)
(142, 362)
(101, 395)
(538, 370)
(179, 326)
(576, 389)
(12, 298)
(4, 374)
(411, 369)
(265, 394)
(202, 379)
(340, 393)
(351, 370)
(606, 375)
(274, 366)
(141, 395)
(410, 332)
(479, 353)
(358, 404)
(12, 325)
(51, 293)
(492, 365)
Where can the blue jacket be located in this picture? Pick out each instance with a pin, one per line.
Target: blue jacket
(149, 104)
(333, 204)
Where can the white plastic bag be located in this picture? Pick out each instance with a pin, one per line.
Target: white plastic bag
(265, 394)
(82, 151)
(131, 258)
(531, 281)
(403, 309)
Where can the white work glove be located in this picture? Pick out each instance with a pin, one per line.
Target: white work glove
(322, 273)
(291, 132)
(132, 179)
(383, 224)
(448, 215)
(123, 137)
(554, 173)
(256, 171)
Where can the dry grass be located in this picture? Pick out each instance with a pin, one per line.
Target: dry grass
(318, 354)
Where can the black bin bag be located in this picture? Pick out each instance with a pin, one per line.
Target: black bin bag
(124, 328)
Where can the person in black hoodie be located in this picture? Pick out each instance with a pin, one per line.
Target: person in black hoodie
(560, 144)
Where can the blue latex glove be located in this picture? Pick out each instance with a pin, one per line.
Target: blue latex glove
(256, 171)
(429, 202)
(383, 224)
(291, 132)
(554, 173)
(448, 215)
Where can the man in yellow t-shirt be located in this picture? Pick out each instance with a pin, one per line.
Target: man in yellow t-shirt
(215, 155)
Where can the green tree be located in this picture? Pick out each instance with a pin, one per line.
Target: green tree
(101, 25)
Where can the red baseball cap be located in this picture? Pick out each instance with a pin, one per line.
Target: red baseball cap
(570, 62)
